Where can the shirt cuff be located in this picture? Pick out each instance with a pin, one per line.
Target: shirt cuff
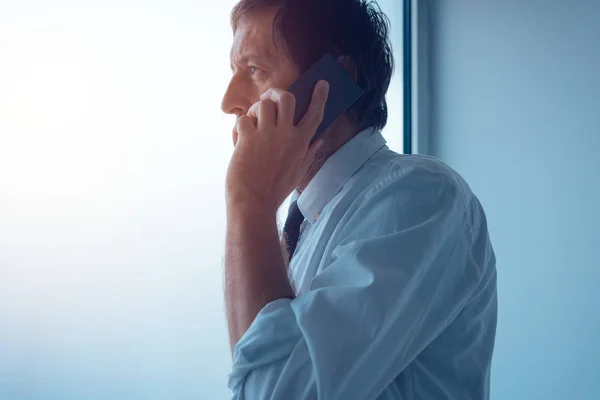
(271, 337)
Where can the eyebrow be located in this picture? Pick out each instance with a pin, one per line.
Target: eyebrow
(264, 55)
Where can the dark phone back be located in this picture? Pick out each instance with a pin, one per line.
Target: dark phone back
(343, 91)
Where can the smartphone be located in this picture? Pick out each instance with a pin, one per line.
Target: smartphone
(343, 91)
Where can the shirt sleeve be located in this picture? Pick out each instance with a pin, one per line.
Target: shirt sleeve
(399, 273)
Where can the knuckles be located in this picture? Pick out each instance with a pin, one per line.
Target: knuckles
(282, 96)
(243, 119)
(243, 123)
(267, 103)
(288, 97)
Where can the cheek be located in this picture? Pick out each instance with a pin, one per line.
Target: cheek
(252, 89)
(288, 80)
(292, 74)
(284, 76)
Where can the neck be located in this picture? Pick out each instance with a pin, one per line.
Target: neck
(337, 135)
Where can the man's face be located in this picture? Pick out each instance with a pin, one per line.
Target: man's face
(257, 64)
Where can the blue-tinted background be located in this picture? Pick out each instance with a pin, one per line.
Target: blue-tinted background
(516, 111)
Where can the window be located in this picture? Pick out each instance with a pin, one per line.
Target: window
(113, 152)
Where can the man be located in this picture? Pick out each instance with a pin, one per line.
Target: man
(391, 291)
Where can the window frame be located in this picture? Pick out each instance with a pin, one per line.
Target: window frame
(417, 77)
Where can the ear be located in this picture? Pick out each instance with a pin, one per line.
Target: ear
(349, 65)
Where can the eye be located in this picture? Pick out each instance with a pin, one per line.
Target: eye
(254, 70)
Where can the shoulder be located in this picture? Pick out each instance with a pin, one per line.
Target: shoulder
(412, 179)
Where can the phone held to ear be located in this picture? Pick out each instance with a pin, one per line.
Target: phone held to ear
(343, 91)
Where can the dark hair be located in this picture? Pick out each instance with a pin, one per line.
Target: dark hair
(356, 29)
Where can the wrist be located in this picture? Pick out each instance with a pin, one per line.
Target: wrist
(249, 207)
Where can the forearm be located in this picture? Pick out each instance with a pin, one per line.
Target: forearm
(255, 272)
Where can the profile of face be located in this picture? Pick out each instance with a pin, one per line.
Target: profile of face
(257, 64)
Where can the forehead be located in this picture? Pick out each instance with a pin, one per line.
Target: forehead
(254, 37)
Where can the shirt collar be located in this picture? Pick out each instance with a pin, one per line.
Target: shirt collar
(336, 171)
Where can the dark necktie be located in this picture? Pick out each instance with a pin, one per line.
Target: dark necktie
(291, 229)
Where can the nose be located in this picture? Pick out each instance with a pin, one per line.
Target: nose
(234, 100)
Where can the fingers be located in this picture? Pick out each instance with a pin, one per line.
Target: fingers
(253, 113)
(234, 136)
(286, 105)
(243, 126)
(267, 113)
(264, 112)
(314, 115)
(277, 107)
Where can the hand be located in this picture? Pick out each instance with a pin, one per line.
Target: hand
(272, 155)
